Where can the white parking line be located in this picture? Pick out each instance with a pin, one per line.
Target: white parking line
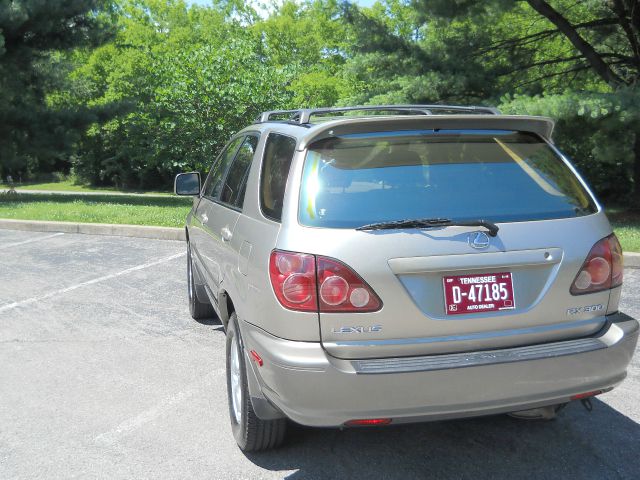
(147, 416)
(31, 240)
(28, 301)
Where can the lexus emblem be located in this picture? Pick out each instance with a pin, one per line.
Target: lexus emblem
(479, 240)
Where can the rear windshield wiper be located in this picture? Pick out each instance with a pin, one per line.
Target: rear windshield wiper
(431, 222)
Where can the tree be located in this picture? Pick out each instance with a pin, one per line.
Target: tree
(617, 62)
(195, 75)
(312, 42)
(497, 50)
(35, 36)
(192, 76)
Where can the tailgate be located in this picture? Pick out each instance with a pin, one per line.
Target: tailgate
(541, 257)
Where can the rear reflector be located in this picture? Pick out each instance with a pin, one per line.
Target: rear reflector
(580, 396)
(368, 422)
(256, 357)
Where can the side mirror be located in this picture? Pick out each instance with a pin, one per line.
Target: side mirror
(187, 184)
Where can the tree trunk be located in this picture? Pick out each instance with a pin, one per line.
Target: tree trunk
(585, 48)
(636, 169)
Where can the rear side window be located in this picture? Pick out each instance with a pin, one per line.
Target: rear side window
(213, 185)
(235, 184)
(279, 151)
(497, 175)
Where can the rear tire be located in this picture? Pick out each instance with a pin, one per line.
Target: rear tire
(198, 307)
(252, 434)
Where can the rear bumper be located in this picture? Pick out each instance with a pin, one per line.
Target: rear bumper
(313, 388)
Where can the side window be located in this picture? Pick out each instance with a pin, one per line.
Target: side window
(235, 183)
(278, 154)
(213, 185)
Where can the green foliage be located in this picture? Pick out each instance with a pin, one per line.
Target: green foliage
(202, 95)
(467, 51)
(176, 79)
(192, 76)
(504, 51)
(313, 43)
(308, 34)
(593, 130)
(34, 38)
(315, 89)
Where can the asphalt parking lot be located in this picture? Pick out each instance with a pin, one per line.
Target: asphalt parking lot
(103, 374)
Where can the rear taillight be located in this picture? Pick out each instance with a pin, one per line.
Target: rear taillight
(617, 261)
(603, 268)
(293, 276)
(342, 290)
(308, 283)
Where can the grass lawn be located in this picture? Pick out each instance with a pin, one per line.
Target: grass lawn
(70, 186)
(626, 224)
(170, 211)
(134, 210)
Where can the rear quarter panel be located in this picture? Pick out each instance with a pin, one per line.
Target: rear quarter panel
(250, 287)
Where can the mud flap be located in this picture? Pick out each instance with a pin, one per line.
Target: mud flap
(261, 406)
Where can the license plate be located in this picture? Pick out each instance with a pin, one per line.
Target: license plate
(484, 292)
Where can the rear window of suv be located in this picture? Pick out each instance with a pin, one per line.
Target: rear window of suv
(496, 175)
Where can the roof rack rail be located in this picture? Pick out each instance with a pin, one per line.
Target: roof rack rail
(303, 116)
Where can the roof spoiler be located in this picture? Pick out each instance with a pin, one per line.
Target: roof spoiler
(542, 126)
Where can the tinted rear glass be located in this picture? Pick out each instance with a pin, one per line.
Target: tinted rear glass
(279, 151)
(236, 182)
(501, 176)
(213, 185)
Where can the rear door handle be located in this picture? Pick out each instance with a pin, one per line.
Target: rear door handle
(226, 234)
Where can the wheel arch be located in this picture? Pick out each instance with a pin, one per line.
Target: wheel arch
(226, 307)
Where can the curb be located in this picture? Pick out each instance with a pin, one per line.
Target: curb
(140, 231)
(632, 260)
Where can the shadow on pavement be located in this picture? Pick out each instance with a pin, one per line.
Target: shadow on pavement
(212, 321)
(578, 444)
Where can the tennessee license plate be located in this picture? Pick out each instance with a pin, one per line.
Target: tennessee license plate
(484, 292)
